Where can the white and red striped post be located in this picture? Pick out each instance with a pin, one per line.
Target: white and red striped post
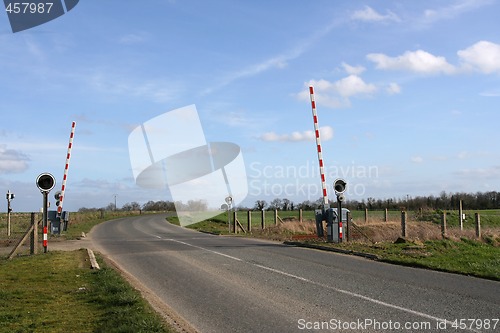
(321, 164)
(45, 238)
(44, 224)
(65, 177)
(318, 144)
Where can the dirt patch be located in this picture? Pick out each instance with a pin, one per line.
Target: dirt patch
(374, 232)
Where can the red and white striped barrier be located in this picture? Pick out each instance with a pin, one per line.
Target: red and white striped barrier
(320, 157)
(318, 144)
(68, 157)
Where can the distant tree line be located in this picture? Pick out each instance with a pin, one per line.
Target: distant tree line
(479, 200)
(192, 205)
(472, 201)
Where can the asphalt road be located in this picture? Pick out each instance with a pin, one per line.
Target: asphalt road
(230, 284)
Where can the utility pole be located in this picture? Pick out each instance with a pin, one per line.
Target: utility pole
(9, 196)
(229, 202)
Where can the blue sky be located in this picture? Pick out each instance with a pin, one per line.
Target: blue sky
(407, 94)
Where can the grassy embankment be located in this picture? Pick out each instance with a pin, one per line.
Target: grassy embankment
(58, 292)
(460, 252)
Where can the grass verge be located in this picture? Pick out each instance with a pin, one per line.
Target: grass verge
(58, 292)
(464, 256)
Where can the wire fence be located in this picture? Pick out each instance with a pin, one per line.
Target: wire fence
(374, 225)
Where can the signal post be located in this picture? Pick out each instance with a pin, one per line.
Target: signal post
(45, 183)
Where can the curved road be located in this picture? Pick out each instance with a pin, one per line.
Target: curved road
(230, 284)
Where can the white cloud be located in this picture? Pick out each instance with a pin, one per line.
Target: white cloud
(353, 85)
(393, 88)
(368, 14)
(483, 56)
(354, 70)
(337, 94)
(417, 159)
(491, 93)
(492, 172)
(12, 161)
(415, 61)
(326, 133)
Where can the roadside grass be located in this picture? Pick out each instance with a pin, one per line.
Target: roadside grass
(58, 292)
(464, 256)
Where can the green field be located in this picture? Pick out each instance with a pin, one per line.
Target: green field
(489, 218)
(78, 223)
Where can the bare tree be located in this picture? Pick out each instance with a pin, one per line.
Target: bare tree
(276, 204)
(260, 204)
(287, 204)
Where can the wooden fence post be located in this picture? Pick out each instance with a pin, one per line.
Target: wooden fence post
(461, 216)
(263, 219)
(34, 236)
(348, 228)
(234, 222)
(443, 224)
(275, 217)
(478, 225)
(249, 221)
(300, 215)
(403, 224)
(366, 215)
(386, 215)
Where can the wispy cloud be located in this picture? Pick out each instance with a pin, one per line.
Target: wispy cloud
(492, 172)
(133, 38)
(12, 161)
(491, 93)
(452, 11)
(275, 62)
(393, 88)
(417, 159)
(368, 14)
(354, 70)
(326, 133)
(156, 90)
